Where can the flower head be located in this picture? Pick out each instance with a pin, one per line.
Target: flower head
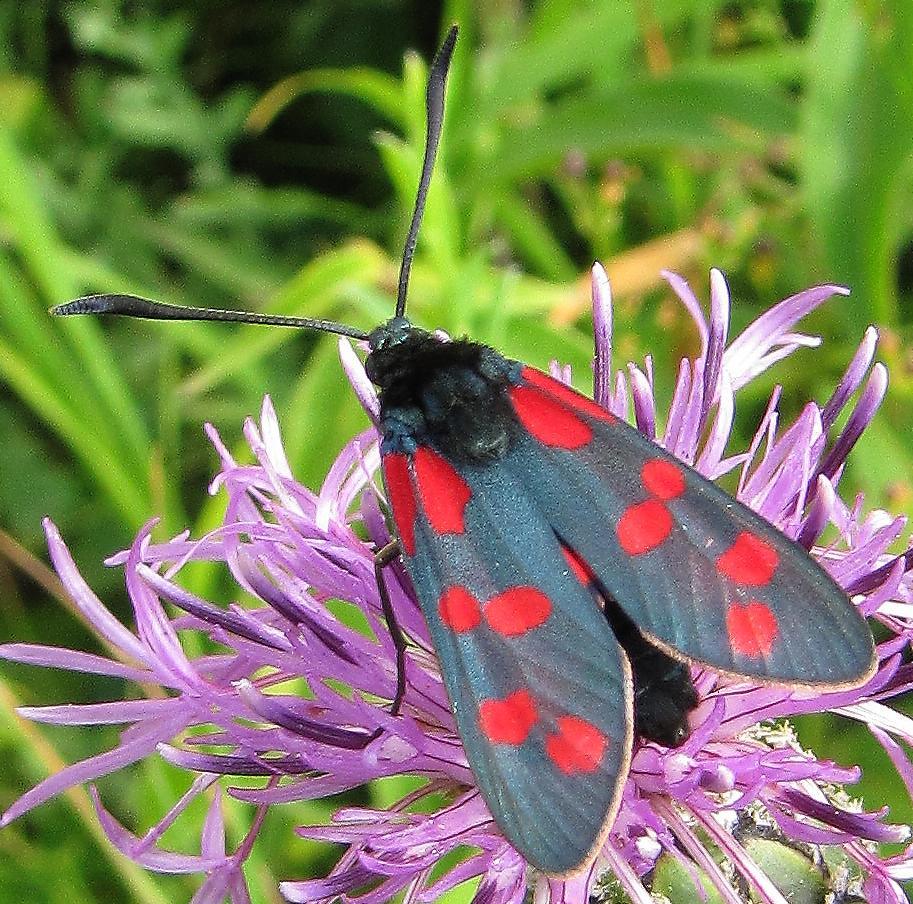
(296, 695)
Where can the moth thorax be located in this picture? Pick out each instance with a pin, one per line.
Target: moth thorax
(452, 395)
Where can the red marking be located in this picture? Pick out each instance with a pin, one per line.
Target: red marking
(444, 493)
(508, 721)
(459, 609)
(753, 629)
(578, 566)
(548, 420)
(565, 394)
(643, 527)
(577, 746)
(517, 610)
(749, 561)
(399, 489)
(662, 478)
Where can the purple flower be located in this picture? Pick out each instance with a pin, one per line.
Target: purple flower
(231, 713)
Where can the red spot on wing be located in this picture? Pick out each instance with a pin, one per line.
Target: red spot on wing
(459, 609)
(578, 566)
(399, 489)
(577, 745)
(517, 610)
(752, 628)
(643, 527)
(508, 721)
(548, 420)
(443, 492)
(749, 561)
(566, 394)
(662, 478)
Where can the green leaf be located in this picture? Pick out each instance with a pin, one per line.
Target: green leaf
(681, 113)
(379, 91)
(857, 142)
(37, 241)
(561, 50)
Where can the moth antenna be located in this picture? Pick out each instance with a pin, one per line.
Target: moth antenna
(133, 306)
(434, 105)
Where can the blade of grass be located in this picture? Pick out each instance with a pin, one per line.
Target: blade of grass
(99, 459)
(378, 90)
(597, 39)
(440, 233)
(857, 143)
(684, 114)
(37, 242)
(46, 761)
(314, 292)
(34, 335)
(531, 237)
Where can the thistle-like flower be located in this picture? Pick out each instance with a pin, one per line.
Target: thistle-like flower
(740, 775)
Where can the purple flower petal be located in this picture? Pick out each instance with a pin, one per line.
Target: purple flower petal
(716, 341)
(754, 345)
(73, 660)
(139, 850)
(119, 712)
(362, 387)
(140, 745)
(104, 623)
(692, 305)
(852, 378)
(644, 409)
(869, 402)
(602, 331)
(237, 622)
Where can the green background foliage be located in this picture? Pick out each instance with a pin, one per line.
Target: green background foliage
(264, 155)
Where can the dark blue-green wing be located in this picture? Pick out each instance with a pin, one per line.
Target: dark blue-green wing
(539, 686)
(703, 575)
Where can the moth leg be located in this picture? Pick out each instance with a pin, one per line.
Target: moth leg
(382, 558)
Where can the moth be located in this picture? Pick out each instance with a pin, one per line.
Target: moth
(569, 569)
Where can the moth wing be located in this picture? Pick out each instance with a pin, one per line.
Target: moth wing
(539, 686)
(696, 570)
